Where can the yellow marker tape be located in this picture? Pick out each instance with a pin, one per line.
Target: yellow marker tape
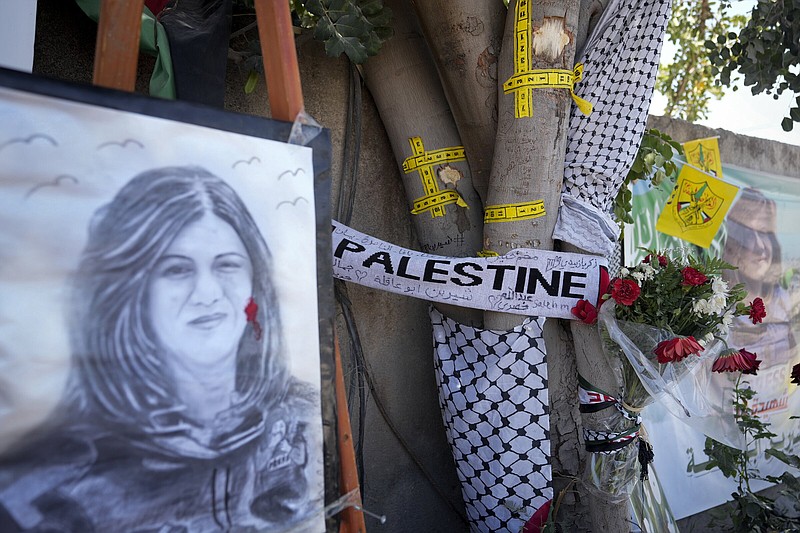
(437, 201)
(514, 212)
(421, 161)
(525, 79)
(488, 253)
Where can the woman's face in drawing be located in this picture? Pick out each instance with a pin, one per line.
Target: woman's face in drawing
(198, 291)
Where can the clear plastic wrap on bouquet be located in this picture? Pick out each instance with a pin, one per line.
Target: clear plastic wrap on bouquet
(683, 387)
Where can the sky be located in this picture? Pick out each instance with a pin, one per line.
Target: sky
(740, 111)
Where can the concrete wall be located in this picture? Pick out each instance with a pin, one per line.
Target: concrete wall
(748, 152)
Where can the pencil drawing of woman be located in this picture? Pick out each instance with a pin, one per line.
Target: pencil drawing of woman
(181, 414)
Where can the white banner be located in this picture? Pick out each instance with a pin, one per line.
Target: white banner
(524, 281)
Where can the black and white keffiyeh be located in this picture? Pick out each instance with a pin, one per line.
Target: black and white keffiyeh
(620, 62)
(494, 400)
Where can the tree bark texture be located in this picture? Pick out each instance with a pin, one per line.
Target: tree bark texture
(528, 166)
(528, 161)
(409, 96)
(464, 38)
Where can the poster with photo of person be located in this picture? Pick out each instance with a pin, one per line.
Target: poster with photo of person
(760, 236)
(161, 327)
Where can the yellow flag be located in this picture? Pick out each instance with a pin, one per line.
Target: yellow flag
(704, 154)
(696, 207)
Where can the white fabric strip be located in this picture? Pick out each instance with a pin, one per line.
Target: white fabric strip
(525, 282)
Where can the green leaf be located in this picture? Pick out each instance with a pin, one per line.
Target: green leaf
(382, 18)
(791, 460)
(352, 26)
(349, 45)
(372, 44)
(315, 7)
(325, 29)
(252, 80)
(336, 6)
(370, 7)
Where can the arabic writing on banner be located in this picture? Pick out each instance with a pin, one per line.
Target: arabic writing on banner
(524, 281)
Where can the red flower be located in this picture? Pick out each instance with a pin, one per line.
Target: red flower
(585, 311)
(736, 360)
(624, 291)
(677, 348)
(757, 310)
(692, 276)
(662, 260)
(604, 286)
(796, 374)
(537, 522)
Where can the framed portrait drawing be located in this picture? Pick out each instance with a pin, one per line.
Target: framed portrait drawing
(165, 316)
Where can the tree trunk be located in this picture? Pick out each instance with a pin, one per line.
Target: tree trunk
(529, 151)
(528, 166)
(606, 515)
(415, 112)
(464, 38)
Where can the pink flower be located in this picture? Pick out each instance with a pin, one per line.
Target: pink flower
(624, 291)
(757, 310)
(677, 348)
(735, 361)
(692, 277)
(585, 311)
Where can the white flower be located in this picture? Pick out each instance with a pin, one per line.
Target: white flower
(638, 276)
(719, 285)
(623, 272)
(724, 326)
(707, 338)
(700, 307)
(727, 318)
(717, 304)
(648, 271)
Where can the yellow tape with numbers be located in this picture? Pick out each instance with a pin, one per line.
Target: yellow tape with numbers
(423, 162)
(513, 212)
(526, 79)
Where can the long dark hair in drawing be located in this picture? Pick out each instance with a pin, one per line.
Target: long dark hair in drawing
(121, 377)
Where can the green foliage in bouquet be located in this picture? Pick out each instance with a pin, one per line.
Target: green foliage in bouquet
(754, 512)
(687, 297)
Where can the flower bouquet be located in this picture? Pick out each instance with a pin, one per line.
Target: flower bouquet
(667, 317)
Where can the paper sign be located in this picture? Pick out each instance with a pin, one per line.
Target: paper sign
(704, 154)
(696, 207)
(524, 281)
(159, 349)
